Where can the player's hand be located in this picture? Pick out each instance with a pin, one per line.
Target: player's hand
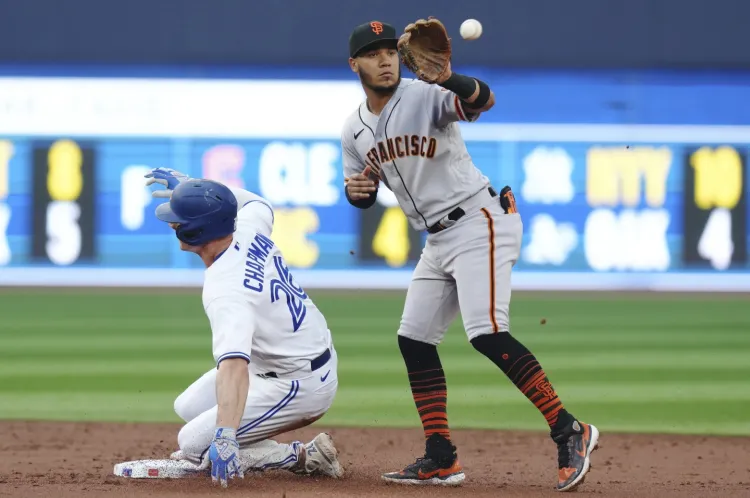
(224, 456)
(165, 176)
(360, 186)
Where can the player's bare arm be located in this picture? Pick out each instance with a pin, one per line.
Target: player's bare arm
(232, 384)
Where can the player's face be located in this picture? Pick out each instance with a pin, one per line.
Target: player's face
(183, 246)
(378, 68)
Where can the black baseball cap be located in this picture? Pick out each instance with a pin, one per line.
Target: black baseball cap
(370, 33)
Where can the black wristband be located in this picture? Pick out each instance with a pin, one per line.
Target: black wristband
(463, 86)
(482, 98)
(365, 203)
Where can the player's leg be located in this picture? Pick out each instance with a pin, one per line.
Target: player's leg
(313, 398)
(318, 456)
(430, 307)
(274, 406)
(198, 397)
(485, 250)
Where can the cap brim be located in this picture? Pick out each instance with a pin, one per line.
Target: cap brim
(164, 213)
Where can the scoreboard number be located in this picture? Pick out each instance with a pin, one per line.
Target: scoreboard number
(715, 230)
(63, 203)
(385, 236)
(64, 184)
(64, 178)
(715, 243)
(718, 177)
(391, 240)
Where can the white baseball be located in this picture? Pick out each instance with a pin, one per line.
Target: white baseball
(471, 29)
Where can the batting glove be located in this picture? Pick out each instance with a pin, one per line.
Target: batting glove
(165, 176)
(224, 456)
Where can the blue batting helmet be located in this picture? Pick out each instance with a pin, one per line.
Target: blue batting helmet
(205, 210)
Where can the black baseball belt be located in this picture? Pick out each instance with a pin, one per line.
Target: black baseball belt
(315, 364)
(507, 201)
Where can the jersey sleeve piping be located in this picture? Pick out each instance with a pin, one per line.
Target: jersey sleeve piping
(459, 108)
(232, 355)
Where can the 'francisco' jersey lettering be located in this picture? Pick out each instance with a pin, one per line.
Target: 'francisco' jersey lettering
(416, 145)
(408, 145)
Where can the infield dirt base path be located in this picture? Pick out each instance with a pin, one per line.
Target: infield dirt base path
(61, 460)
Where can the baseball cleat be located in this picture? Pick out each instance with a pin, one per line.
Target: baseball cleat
(321, 457)
(427, 471)
(574, 447)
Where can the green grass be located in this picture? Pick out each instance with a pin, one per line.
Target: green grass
(628, 362)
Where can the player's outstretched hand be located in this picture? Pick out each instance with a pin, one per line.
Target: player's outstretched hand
(165, 176)
(361, 185)
(224, 456)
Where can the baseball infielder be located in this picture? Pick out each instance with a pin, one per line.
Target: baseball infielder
(276, 364)
(405, 135)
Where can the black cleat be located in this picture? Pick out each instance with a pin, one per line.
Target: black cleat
(427, 471)
(575, 444)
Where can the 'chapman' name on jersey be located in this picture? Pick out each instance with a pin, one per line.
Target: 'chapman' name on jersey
(256, 309)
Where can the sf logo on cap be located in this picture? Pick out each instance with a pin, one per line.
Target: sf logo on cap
(377, 27)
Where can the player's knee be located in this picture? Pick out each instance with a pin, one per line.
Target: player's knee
(410, 346)
(488, 342)
(184, 409)
(415, 334)
(418, 355)
(182, 438)
(497, 346)
(478, 329)
(192, 447)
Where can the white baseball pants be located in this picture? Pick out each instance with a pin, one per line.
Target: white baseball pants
(274, 406)
(465, 268)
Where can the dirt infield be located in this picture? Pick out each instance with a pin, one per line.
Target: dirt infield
(60, 460)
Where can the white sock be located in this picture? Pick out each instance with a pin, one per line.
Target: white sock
(268, 455)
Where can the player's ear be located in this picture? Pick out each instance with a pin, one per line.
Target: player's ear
(353, 65)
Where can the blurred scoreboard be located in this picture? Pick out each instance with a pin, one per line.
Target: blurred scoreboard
(68, 202)
(715, 207)
(587, 206)
(63, 207)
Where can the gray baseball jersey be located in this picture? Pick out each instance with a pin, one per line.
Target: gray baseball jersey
(416, 145)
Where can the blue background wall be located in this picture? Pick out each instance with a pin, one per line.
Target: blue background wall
(540, 33)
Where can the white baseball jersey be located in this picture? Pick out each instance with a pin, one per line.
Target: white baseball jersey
(416, 144)
(255, 308)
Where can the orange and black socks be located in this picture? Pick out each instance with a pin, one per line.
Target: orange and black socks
(431, 397)
(428, 387)
(523, 369)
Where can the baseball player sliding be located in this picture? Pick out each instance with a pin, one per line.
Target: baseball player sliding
(406, 136)
(276, 364)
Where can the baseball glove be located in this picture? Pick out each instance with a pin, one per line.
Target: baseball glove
(425, 49)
